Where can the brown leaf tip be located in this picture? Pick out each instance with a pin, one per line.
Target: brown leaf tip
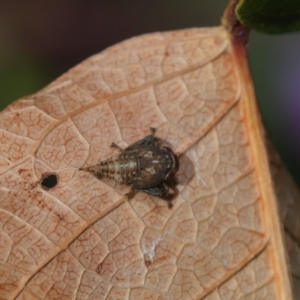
(238, 32)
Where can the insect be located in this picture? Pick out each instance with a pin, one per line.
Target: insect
(145, 165)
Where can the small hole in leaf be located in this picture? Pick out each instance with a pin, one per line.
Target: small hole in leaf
(49, 181)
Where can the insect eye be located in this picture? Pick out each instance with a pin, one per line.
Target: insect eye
(175, 168)
(168, 149)
(173, 171)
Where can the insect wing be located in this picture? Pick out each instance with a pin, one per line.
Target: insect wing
(150, 172)
(149, 140)
(147, 179)
(161, 190)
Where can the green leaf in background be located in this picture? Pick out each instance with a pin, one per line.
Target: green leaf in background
(270, 16)
(20, 77)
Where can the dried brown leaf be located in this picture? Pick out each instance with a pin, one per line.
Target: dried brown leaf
(82, 239)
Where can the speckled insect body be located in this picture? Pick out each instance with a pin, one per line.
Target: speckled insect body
(145, 165)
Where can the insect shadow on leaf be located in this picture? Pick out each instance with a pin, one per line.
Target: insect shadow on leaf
(146, 165)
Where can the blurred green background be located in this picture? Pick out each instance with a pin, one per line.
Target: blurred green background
(40, 40)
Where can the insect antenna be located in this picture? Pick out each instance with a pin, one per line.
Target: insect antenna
(114, 145)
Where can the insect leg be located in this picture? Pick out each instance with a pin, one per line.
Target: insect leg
(152, 130)
(149, 140)
(114, 145)
(161, 191)
(131, 193)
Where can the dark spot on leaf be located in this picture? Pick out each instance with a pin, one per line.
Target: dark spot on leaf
(20, 171)
(61, 217)
(147, 259)
(148, 263)
(49, 180)
(99, 268)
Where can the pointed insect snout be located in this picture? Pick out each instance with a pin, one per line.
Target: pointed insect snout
(91, 169)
